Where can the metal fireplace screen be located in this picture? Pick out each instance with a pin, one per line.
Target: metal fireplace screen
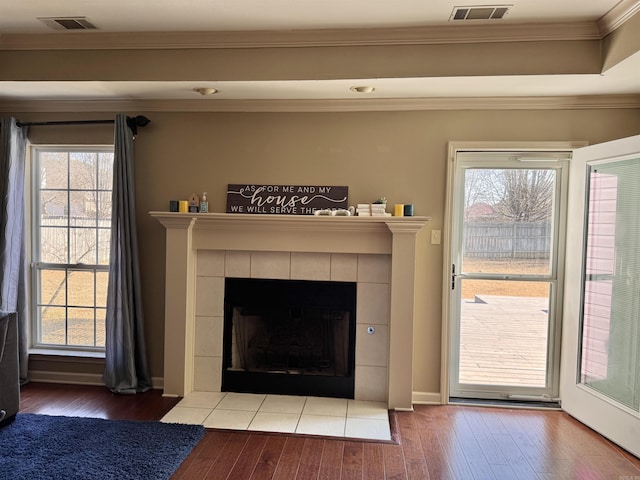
(289, 337)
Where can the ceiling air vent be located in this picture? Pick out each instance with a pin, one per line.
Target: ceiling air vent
(480, 12)
(68, 23)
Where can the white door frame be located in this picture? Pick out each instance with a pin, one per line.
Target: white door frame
(453, 148)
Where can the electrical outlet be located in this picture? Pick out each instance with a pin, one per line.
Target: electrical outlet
(436, 237)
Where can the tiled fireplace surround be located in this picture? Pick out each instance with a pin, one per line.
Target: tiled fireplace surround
(377, 253)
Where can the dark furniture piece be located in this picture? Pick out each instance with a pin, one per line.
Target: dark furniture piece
(9, 373)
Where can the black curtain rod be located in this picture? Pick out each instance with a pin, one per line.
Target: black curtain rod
(132, 122)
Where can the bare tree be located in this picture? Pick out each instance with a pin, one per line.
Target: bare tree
(479, 187)
(527, 194)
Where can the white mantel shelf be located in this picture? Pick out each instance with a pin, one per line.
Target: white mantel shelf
(308, 222)
(186, 233)
(334, 234)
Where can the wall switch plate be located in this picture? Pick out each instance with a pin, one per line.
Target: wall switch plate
(436, 237)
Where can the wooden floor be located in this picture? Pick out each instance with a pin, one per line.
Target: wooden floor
(434, 442)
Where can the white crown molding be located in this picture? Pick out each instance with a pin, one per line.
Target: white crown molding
(91, 40)
(617, 16)
(350, 105)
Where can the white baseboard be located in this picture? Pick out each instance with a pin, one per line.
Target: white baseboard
(426, 398)
(94, 379)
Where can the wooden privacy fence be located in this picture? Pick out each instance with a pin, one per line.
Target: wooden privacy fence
(507, 240)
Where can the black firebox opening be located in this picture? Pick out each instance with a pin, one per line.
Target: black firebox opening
(293, 337)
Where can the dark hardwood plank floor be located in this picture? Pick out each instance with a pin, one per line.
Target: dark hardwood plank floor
(433, 442)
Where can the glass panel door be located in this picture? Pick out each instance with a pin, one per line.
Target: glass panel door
(505, 276)
(600, 368)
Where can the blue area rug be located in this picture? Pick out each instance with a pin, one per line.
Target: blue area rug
(39, 447)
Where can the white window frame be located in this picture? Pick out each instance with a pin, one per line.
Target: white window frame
(36, 345)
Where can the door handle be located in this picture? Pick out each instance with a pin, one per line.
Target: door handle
(455, 275)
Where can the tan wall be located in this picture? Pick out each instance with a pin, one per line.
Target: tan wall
(621, 43)
(304, 63)
(401, 155)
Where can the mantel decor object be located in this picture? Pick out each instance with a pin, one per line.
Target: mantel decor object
(285, 199)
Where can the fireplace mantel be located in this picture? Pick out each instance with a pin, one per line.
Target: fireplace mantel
(186, 233)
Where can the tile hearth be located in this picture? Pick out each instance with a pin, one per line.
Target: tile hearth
(333, 417)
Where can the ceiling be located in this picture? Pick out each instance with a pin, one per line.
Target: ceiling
(22, 17)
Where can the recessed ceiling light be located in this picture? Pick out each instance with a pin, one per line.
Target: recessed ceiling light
(205, 90)
(363, 89)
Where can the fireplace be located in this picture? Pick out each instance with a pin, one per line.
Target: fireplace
(377, 253)
(289, 337)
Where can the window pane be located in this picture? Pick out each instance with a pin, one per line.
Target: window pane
(611, 311)
(82, 170)
(53, 245)
(81, 288)
(81, 326)
(82, 209)
(53, 170)
(101, 315)
(53, 207)
(105, 171)
(53, 325)
(83, 245)
(102, 282)
(504, 327)
(508, 215)
(104, 246)
(104, 208)
(52, 287)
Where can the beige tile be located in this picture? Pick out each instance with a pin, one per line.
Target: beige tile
(210, 296)
(208, 341)
(344, 267)
(310, 266)
(210, 263)
(202, 399)
(372, 305)
(207, 374)
(370, 410)
(249, 402)
(229, 419)
(374, 268)
(271, 265)
(371, 349)
(237, 264)
(367, 429)
(274, 422)
(371, 383)
(335, 407)
(188, 415)
(321, 425)
(283, 404)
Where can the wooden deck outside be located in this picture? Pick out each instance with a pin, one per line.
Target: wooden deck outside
(503, 341)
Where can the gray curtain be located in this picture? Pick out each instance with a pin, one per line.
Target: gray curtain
(13, 265)
(126, 369)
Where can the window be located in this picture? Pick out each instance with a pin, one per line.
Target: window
(71, 211)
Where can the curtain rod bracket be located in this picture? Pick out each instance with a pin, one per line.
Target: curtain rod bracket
(138, 121)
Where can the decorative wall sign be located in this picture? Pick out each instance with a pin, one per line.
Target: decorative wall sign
(285, 199)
